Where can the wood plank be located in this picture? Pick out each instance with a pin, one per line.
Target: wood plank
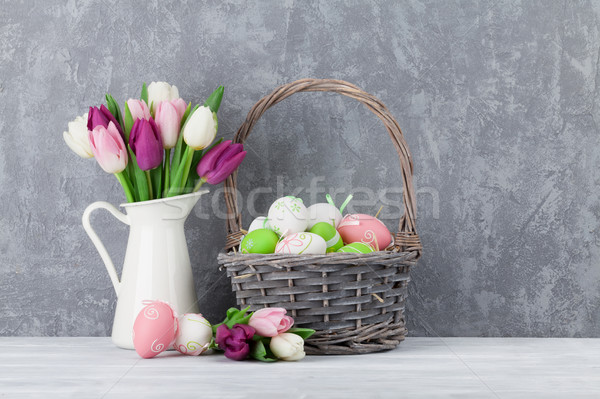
(419, 367)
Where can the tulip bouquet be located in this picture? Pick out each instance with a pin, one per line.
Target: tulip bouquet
(159, 146)
(266, 335)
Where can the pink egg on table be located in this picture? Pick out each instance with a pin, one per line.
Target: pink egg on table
(366, 229)
(154, 329)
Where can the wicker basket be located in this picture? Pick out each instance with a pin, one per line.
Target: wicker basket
(355, 302)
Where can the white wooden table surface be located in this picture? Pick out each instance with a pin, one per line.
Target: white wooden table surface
(419, 368)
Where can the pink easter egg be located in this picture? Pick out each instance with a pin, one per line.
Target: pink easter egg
(154, 329)
(366, 229)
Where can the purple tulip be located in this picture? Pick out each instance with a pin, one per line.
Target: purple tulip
(220, 162)
(235, 341)
(146, 144)
(102, 117)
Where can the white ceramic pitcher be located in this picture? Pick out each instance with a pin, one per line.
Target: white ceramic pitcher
(157, 263)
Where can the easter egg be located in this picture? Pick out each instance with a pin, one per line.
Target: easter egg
(332, 238)
(154, 329)
(302, 244)
(261, 241)
(356, 247)
(288, 215)
(366, 229)
(195, 334)
(260, 222)
(323, 212)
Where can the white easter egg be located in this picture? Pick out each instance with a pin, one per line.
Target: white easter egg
(260, 222)
(302, 244)
(288, 215)
(323, 212)
(195, 334)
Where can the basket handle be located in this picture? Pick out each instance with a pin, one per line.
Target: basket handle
(406, 239)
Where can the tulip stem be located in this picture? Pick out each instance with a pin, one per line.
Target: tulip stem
(188, 164)
(124, 180)
(166, 170)
(149, 180)
(176, 184)
(200, 183)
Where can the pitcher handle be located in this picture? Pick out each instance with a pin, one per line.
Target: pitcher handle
(85, 219)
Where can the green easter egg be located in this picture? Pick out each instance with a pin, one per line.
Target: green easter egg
(330, 235)
(357, 247)
(260, 241)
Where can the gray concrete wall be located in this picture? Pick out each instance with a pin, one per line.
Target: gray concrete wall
(498, 102)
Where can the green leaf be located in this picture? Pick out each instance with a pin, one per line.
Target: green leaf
(126, 184)
(234, 316)
(141, 184)
(128, 122)
(245, 319)
(180, 147)
(240, 317)
(231, 312)
(185, 116)
(259, 352)
(245, 310)
(177, 183)
(304, 333)
(156, 177)
(144, 95)
(114, 109)
(214, 100)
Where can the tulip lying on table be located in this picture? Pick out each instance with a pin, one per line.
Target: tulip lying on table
(264, 335)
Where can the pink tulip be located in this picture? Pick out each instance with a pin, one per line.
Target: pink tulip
(138, 109)
(270, 322)
(180, 106)
(108, 148)
(168, 120)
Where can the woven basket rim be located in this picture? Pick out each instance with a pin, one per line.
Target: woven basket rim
(335, 257)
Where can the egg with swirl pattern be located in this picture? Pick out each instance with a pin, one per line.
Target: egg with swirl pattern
(302, 244)
(154, 329)
(363, 228)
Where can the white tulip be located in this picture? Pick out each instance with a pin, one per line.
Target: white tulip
(200, 129)
(77, 137)
(161, 91)
(288, 346)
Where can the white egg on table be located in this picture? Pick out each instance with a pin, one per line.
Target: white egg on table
(302, 244)
(195, 334)
(323, 212)
(288, 215)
